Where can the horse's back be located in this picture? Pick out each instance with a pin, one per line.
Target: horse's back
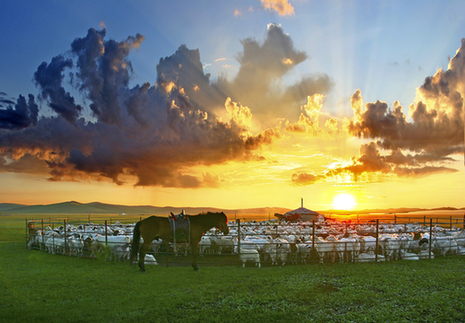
(154, 227)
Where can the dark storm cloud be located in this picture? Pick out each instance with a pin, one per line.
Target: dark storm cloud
(156, 133)
(184, 69)
(48, 78)
(104, 71)
(20, 115)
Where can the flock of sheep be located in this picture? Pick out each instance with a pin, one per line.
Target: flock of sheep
(266, 242)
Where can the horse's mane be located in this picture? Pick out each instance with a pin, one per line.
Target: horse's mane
(205, 216)
(209, 213)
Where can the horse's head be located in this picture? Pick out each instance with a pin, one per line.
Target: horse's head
(223, 225)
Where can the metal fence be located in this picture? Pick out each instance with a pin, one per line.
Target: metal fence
(263, 243)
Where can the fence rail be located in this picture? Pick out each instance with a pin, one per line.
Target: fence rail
(263, 242)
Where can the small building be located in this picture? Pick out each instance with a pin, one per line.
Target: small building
(302, 214)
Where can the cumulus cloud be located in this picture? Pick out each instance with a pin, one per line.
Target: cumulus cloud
(48, 78)
(306, 178)
(158, 133)
(18, 115)
(309, 119)
(104, 71)
(155, 133)
(282, 7)
(258, 81)
(419, 144)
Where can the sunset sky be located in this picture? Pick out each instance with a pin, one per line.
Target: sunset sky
(233, 104)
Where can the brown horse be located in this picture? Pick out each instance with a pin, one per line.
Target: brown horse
(159, 227)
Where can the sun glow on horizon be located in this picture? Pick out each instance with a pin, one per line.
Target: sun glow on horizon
(344, 201)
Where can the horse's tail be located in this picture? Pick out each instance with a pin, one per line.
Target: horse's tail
(135, 242)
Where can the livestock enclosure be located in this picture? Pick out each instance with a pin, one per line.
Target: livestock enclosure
(263, 242)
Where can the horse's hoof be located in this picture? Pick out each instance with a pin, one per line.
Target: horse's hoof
(196, 269)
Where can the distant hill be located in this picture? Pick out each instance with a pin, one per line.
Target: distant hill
(74, 207)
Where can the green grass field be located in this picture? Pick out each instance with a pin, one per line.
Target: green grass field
(40, 287)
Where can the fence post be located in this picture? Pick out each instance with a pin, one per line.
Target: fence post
(66, 239)
(424, 220)
(463, 221)
(27, 232)
(106, 234)
(238, 221)
(430, 237)
(43, 236)
(377, 238)
(450, 223)
(345, 252)
(313, 234)
(395, 219)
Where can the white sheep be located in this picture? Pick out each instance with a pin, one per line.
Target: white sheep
(121, 252)
(150, 260)
(250, 255)
(204, 245)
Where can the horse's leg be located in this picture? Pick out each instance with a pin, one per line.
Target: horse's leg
(143, 251)
(195, 251)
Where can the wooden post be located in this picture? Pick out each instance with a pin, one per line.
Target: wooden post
(430, 237)
(345, 252)
(43, 236)
(238, 221)
(27, 232)
(65, 252)
(106, 234)
(313, 234)
(377, 238)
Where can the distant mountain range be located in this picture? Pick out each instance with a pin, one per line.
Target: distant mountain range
(74, 207)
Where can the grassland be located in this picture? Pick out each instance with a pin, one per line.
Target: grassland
(39, 287)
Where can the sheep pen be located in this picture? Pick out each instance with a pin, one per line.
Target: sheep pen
(261, 243)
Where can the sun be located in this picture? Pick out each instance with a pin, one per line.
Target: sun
(344, 201)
